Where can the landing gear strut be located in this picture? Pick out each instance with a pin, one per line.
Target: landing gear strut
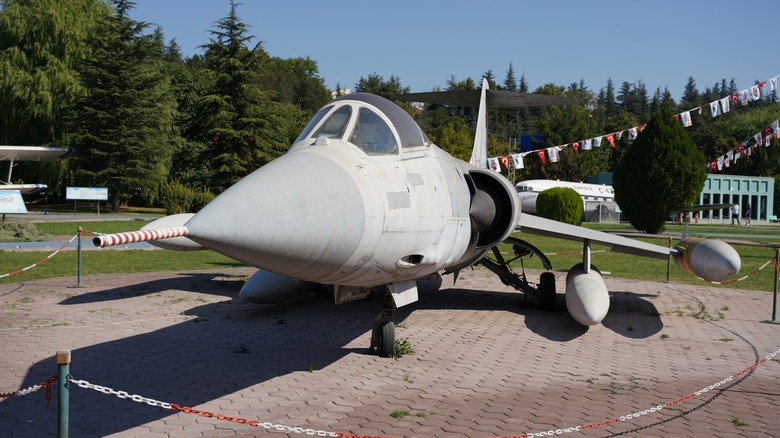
(383, 330)
(544, 295)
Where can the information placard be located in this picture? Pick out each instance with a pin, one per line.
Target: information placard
(11, 202)
(86, 193)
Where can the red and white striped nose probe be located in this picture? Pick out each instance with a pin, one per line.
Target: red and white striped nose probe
(139, 236)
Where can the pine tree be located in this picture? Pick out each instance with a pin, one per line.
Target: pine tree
(236, 117)
(123, 126)
(672, 172)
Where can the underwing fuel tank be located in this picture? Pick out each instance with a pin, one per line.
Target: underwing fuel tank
(709, 259)
(587, 298)
(265, 287)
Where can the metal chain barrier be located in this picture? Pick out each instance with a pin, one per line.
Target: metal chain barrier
(743, 278)
(651, 410)
(188, 410)
(19, 271)
(46, 384)
(314, 432)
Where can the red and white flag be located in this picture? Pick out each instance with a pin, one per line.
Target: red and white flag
(611, 139)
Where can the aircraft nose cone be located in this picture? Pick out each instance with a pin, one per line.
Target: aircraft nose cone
(302, 215)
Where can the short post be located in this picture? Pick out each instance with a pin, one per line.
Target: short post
(774, 295)
(63, 395)
(78, 257)
(669, 262)
(78, 276)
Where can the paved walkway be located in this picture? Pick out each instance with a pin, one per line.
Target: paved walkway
(484, 364)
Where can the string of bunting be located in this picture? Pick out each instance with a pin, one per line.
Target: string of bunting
(716, 108)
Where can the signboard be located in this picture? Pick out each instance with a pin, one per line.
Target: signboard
(86, 193)
(11, 202)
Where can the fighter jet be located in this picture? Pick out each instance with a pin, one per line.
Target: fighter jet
(364, 199)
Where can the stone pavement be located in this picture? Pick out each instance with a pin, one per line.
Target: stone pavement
(484, 365)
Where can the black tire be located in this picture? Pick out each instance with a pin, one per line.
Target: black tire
(386, 339)
(547, 296)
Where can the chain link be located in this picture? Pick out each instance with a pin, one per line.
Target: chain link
(121, 394)
(46, 384)
(312, 432)
(188, 410)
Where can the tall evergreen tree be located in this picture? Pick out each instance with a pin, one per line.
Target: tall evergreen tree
(510, 82)
(123, 126)
(673, 172)
(236, 117)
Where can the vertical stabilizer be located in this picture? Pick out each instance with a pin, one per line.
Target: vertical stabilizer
(479, 152)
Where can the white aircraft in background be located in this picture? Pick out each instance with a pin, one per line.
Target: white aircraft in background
(529, 190)
(12, 154)
(364, 199)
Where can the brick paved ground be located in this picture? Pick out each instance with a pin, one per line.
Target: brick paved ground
(484, 364)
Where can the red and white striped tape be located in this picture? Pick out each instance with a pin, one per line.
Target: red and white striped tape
(139, 236)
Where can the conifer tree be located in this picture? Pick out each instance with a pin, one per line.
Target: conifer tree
(236, 117)
(123, 126)
(661, 171)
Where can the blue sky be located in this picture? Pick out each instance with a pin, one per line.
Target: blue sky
(424, 43)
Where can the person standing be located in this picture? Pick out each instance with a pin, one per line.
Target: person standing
(747, 215)
(735, 214)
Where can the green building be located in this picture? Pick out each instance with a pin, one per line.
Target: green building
(754, 191)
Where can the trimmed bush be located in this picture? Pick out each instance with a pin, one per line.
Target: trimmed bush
(561, 204)
(176, 197)
(201, 198)
(18, 231)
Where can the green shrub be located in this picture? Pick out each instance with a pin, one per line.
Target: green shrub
(176, 197)
(201, 198)
(561, 204)
(18, 231)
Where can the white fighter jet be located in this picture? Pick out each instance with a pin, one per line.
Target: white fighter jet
(364, 199)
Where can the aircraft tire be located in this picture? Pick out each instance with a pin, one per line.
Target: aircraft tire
(547, 298)
(386, 339)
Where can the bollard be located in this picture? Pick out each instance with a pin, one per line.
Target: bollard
(78, 276)
(63, 396)
(669, 263)
(774, 295)
(78, 256)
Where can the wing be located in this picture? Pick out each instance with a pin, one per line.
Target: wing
(495, 99)
(545, 227)
(24, 189)
(33, 153)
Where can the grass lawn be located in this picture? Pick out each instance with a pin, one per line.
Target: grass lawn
(563, 255)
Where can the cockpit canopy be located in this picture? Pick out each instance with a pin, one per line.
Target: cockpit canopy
(370, 122)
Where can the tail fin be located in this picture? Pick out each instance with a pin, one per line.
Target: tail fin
(479, 151)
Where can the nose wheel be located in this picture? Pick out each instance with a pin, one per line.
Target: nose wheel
(383, 330)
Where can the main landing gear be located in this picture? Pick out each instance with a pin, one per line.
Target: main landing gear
(544, 295)
(383, 330)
